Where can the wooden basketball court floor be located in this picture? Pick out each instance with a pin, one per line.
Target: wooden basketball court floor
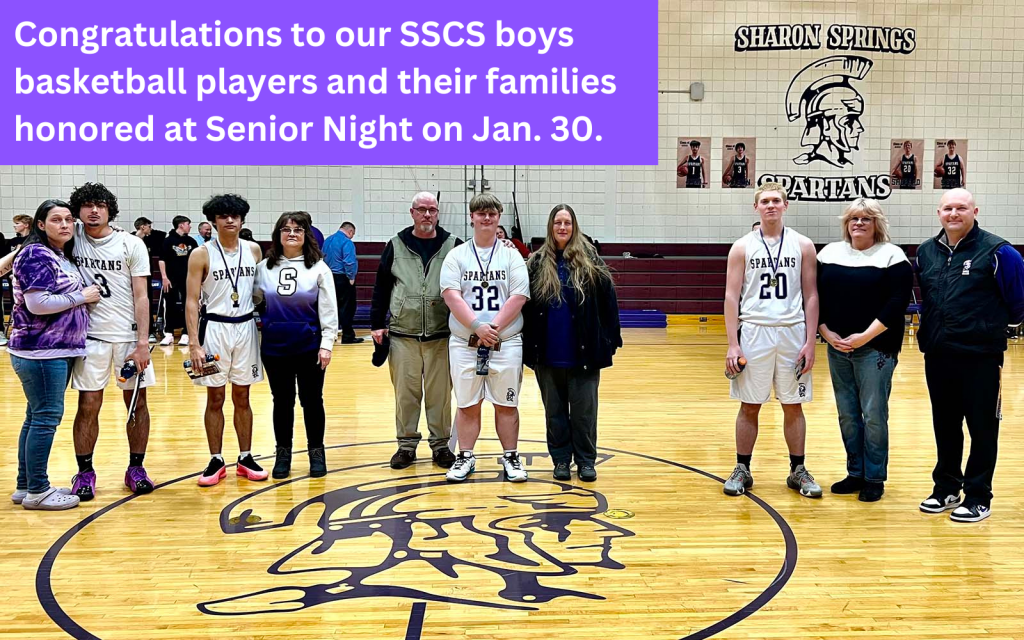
(653, 549)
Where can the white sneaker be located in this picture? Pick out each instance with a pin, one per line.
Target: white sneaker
(183, 341)
(3, 339)
(934, 504)
(168, 340)
(464, 465)
(514, 471)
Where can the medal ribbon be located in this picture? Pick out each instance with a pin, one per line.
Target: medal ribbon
(489, 258)
(234, 282)
(774, 265)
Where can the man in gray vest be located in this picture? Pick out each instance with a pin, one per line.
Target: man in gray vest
(972, 286)
(409, 287)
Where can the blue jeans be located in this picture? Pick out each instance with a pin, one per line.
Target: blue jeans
(44, 382)
(862, 381)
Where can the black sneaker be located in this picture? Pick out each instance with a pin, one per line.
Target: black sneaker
(403, 458)
(847, 485)
(562, 471)
(970, 512)
(352, 340)
(282, 462)
(317, 462)
(587, 472)
(443, 458)
(937, 504)
(872, 492)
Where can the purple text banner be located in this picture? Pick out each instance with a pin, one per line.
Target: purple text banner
(302, 82)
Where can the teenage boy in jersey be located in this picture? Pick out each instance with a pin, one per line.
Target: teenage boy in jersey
(485, 285)
(972, 287)
(118, 264)
(905, 168)
(693, 168)
(736, 175)
(219, 312)
(771, 319)
(952, 168)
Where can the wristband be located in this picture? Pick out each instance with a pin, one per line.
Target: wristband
(475, 325)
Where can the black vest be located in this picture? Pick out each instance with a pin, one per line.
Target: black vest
(962, 308)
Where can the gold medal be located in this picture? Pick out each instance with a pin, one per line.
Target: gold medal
(234, 296)
(484, 284)
(774, 282)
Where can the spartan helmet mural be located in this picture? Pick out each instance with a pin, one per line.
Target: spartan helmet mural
(831, 107)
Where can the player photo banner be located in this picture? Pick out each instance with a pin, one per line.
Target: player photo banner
(738, 159)
(693, 163)
(905, 162)
(950, 163)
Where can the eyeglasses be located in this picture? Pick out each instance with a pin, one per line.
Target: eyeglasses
(292, 231)
(860, 220)
(425, 210)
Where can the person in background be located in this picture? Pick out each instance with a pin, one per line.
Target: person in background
(864, 285)
(520, 247)
(205, 233)
(570, 332)
(178, 246)
(299, 327)
(22, 226)
(48, 327)
(318, 235)
(246, 234)
(340, 255)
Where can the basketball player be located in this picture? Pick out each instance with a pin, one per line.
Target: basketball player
(736, 175)
(771, 316)
(952, 168)
(693, 168)
(219, 312)
(906, 168)
(485, 285)
(118, 264)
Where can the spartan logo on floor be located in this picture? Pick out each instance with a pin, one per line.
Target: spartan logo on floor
(823, 94)
(518, 538)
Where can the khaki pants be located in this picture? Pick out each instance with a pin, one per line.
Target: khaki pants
(419, 373)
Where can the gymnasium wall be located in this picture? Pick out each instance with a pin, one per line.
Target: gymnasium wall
(964, 79)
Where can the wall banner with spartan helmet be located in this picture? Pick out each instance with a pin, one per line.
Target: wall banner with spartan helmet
(825, 99)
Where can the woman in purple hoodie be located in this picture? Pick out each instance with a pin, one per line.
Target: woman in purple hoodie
(48, 326)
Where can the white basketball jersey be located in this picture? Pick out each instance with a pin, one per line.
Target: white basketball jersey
(110, 263)
(467, 267)
(225, 267)
(772, 295)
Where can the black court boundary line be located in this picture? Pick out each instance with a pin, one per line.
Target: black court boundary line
(44, 588)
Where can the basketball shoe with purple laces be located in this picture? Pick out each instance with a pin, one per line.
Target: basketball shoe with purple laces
(138, 481)
(83, 485)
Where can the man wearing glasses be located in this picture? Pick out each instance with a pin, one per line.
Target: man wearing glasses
(340, 256)
(409, 287)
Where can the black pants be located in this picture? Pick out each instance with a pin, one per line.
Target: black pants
(174, 303)
(570, 410)
(964, 386)
(346, 293)
(283, 372)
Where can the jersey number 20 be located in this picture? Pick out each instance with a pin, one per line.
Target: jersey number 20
(781, 288)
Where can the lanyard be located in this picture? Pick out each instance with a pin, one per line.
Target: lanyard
(238, 272)
(774, 264)
(483, 270)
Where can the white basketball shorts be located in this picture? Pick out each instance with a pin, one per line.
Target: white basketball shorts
(92, 373)
(500, 386)
(771, 354)
(238, 346)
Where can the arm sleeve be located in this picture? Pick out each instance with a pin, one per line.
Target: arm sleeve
(450, 277)
(382, 288)
(348, 259)
(519, 277)
(610, 310)
(44, 303)
(1010, 278)
(138, 257)
(824, 317)
(900, 280)
(327, 306)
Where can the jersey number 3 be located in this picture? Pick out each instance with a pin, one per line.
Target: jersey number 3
(781, 288)
(491, 301)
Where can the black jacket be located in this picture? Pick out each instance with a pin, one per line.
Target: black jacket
(962, 310)
(595, 322)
